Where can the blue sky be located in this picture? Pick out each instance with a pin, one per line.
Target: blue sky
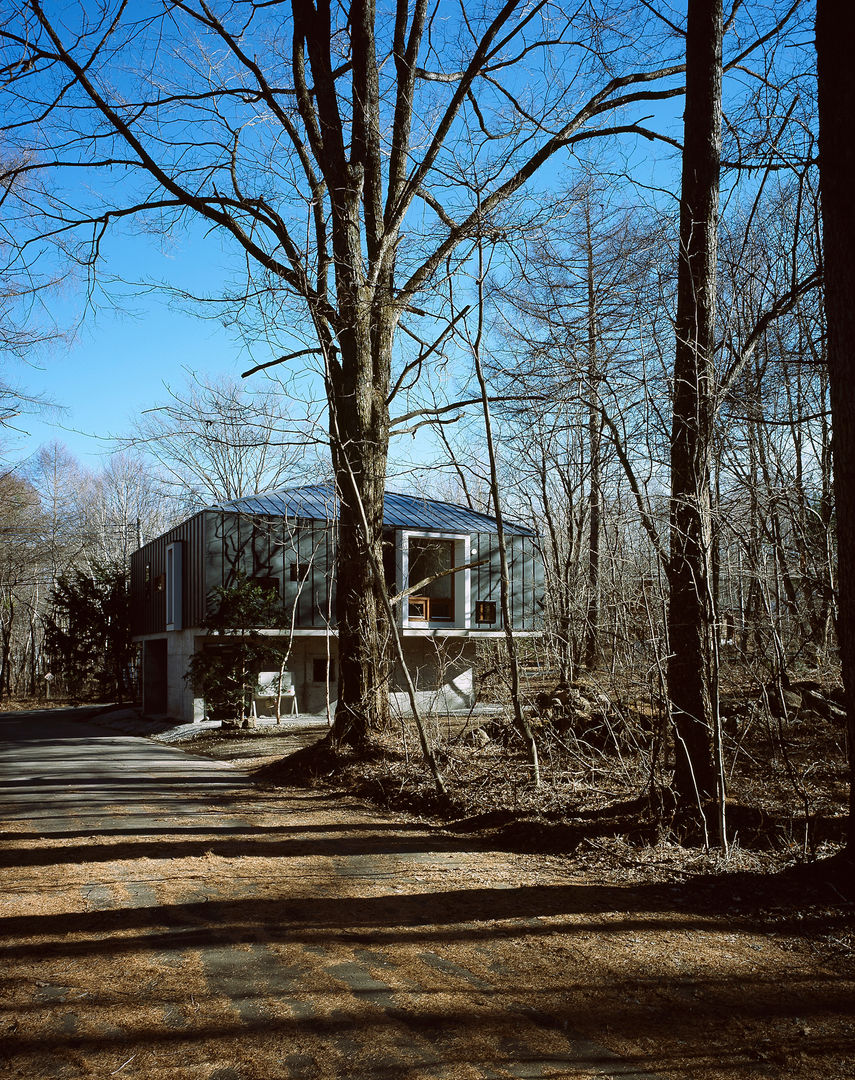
(116, 367)
(120, 356)
(117, 360)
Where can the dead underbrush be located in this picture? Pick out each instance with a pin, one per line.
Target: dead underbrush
(605, 768)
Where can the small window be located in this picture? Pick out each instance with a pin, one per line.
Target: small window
(321, 669)
(485, 611)
(418, 607)
(295, 571)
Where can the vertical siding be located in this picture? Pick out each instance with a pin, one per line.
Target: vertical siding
(148, 598)
(276, 553)
(527, 586)
(214, 561)
(288, 546)
(516, 579)
(486, 579)
(194, 573)
(525, 572)
(538, 586)
(218, 545)
(305, 556)
(266, 547)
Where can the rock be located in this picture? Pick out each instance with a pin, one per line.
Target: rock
(784, 702)
(822, 705)
(836, 714)
(792, 701)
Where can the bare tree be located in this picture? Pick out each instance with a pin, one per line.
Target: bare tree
(26, 320)
(22, 582)
(333, 166)
(126, 503)
(214, 439)
(475, 340)
(62, 485)
(692, 675)
(575, 319)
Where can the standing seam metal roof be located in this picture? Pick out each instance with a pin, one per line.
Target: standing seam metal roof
(318, 502)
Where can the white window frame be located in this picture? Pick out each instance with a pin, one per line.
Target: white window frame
(462, 604)
(174, 575)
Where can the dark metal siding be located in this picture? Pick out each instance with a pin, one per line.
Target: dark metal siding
(148, 598)
(525, 573)
(266, 547)
(486, 579)
(219, 545)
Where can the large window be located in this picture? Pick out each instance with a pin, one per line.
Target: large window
(431, 578)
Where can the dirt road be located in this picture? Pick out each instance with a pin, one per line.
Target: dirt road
(163, 918)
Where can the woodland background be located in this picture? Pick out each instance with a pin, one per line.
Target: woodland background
(541, 340)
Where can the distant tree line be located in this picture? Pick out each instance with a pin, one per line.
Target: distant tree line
(67, 532)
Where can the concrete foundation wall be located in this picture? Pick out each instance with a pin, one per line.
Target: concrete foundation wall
(441, 669)
(182, 702)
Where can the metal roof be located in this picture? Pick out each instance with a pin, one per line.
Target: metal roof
(318, 502)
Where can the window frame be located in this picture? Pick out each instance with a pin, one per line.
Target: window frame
(460, 579)
(425, 600)
(174, 578)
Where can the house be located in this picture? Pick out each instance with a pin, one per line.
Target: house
(285, 541)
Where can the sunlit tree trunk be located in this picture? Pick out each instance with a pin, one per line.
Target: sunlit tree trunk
(691, 618)
(592, 628)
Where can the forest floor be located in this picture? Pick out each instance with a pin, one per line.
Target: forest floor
(501, 931)
(743, 964)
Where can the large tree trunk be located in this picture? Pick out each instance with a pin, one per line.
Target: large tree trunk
(359, 378)
(835, 27)
(363, 685)
(359, 440)
(691, 674)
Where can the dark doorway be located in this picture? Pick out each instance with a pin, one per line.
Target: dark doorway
(154, 697)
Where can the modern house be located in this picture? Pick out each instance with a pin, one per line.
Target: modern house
(285, 540)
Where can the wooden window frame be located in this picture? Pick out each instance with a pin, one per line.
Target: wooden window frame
(485, 612)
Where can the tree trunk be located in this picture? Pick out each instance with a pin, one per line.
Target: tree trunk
(358, 380)
(835, 27)
(592, 622)
(691, 618)
(360, 441)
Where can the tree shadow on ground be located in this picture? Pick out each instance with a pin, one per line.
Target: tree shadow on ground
(738, 902)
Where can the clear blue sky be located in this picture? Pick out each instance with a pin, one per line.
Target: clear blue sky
(120, 356)
(117, 362)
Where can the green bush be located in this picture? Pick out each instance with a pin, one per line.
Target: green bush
(226, 672)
